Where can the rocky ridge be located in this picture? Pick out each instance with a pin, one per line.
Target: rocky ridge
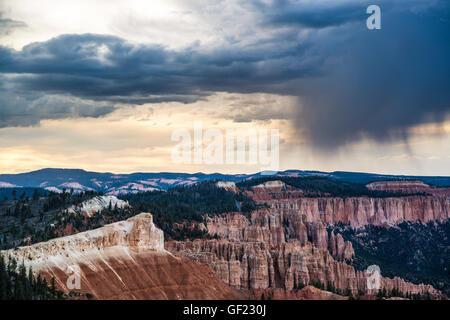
(135, 234)
(123, 260)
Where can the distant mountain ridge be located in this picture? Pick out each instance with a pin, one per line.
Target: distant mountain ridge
(116, 184)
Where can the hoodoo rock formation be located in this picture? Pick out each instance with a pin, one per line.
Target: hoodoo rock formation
(275, 228)
(357, 211)
(280, 249)
(123, 260)
(285, 245)
(266, 252)
(368, 211)
(407, 187)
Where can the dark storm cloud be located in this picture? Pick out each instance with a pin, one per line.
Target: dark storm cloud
(107, 68)
(23, 110)
(352, 82)
(375, 84)
(383, 81)
(312, 14)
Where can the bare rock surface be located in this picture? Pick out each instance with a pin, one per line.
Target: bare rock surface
(359, 211)
(92, 206)
(123, 260)
(277, 249)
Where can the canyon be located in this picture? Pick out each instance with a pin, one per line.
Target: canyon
(275, 251)
(282, 249)
(285, 244)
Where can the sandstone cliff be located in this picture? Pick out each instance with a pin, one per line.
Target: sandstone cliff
(407, 187)
(285, 244)
(275, 228)
(357, 211)
(123, 260)
(137, 234)
(251, 265)
(274, 249)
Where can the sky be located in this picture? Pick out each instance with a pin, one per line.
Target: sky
(103, 85)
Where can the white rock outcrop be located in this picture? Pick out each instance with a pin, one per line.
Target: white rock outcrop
(92, 206)
(137, 234)
(227, 185)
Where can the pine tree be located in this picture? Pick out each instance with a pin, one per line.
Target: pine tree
(53, 287)
(44, 289)
(3, 279)
(18, 283)
(348, 293)
(35, 195)
(379, 294)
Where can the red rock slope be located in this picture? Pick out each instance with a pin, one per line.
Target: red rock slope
(359, 211)
(123, 260)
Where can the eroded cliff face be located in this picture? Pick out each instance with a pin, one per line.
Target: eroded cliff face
(123, 260)
(367, 211)
(285, 244)
(407, 187)
(358, 211)
(275, 228)
(125, 275)
(277, 249)
(253, 266)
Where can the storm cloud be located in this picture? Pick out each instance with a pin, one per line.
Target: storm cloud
(381, 83)
(312, 14)
(22, 110)
(107, 67)
(351, 82)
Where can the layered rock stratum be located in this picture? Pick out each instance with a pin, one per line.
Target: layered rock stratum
(275, 250)
(123, 260)
(407, 187)
(257, 257)
(285, 244)
(358, 211)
